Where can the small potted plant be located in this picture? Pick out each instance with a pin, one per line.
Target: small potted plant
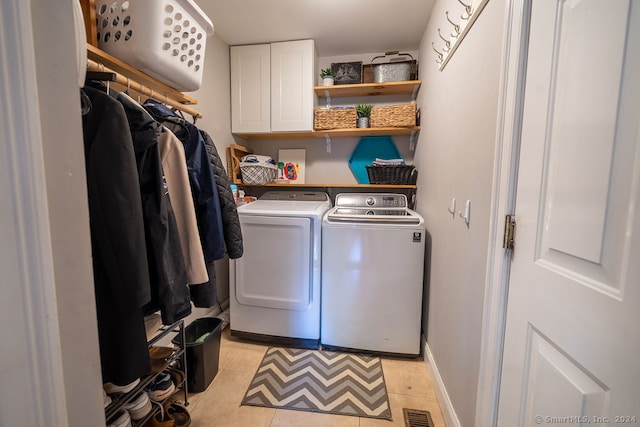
(363, 112)
(328, 76)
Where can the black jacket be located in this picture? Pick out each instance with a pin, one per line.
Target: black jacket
(121, 277)
(169, 290)
(230, 219)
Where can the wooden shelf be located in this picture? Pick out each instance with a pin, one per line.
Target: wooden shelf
(368, 89)
(161, 89)
(371, 186)
(333, 133)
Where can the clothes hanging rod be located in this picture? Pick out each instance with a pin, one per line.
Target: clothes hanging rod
(143, 90)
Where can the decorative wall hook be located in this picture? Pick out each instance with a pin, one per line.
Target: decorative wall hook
(446, 42)
(433, 46)
(456, 27)
(472, 10)
(467, 7)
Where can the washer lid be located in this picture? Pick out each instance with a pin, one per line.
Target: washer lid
(303, 196)
(297, 208)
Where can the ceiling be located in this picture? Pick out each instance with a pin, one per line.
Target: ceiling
(338, 27)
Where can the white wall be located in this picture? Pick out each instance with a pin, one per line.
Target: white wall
(455, 158)
(69, 277)
(68, 209)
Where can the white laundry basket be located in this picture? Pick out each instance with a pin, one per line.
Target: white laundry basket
(163, 38)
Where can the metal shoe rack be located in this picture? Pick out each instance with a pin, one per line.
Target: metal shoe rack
(179, 356)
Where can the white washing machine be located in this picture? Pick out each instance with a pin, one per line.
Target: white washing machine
(373, 249)
(275, 286)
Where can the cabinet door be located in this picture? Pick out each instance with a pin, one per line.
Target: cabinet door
(250, 88)
(292, 82)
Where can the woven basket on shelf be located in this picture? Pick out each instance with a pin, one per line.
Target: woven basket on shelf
(395, 174)
(393, 116)
(336, 118)
(257, 174)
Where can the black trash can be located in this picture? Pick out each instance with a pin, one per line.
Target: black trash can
(202, 338)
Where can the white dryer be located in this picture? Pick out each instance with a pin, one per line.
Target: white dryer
(274, 288)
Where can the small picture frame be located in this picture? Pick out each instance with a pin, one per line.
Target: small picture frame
(347, 73)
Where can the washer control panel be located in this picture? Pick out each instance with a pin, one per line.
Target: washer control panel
(378, 200)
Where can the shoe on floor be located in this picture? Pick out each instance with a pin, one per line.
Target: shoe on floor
(122, 419)
(112, 388)
(160, 418)
(179, 413)
(139, 407)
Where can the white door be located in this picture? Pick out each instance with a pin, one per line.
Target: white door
(572, 340)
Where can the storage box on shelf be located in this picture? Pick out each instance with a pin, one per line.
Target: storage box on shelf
(334, 118)
(257, 169)
(403, 115)
(392, 174)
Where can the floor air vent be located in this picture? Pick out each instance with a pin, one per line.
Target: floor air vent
(416, 418)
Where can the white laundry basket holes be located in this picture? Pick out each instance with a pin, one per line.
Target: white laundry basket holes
(170, 37)
(110, 18)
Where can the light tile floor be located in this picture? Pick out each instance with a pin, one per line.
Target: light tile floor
(407, 380)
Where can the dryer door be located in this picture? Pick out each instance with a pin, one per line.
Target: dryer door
(275, 269)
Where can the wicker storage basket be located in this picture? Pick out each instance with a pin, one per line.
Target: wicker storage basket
(335, 118)
(393, 116)
(395, 174)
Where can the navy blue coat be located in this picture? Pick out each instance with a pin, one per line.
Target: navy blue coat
(201, 178)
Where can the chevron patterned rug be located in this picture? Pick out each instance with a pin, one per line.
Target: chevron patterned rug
(320, 381)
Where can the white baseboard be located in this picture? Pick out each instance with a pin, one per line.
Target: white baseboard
(448, 412)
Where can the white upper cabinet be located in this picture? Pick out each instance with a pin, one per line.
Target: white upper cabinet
(292, 83)
(272, 87)
(250, 88)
